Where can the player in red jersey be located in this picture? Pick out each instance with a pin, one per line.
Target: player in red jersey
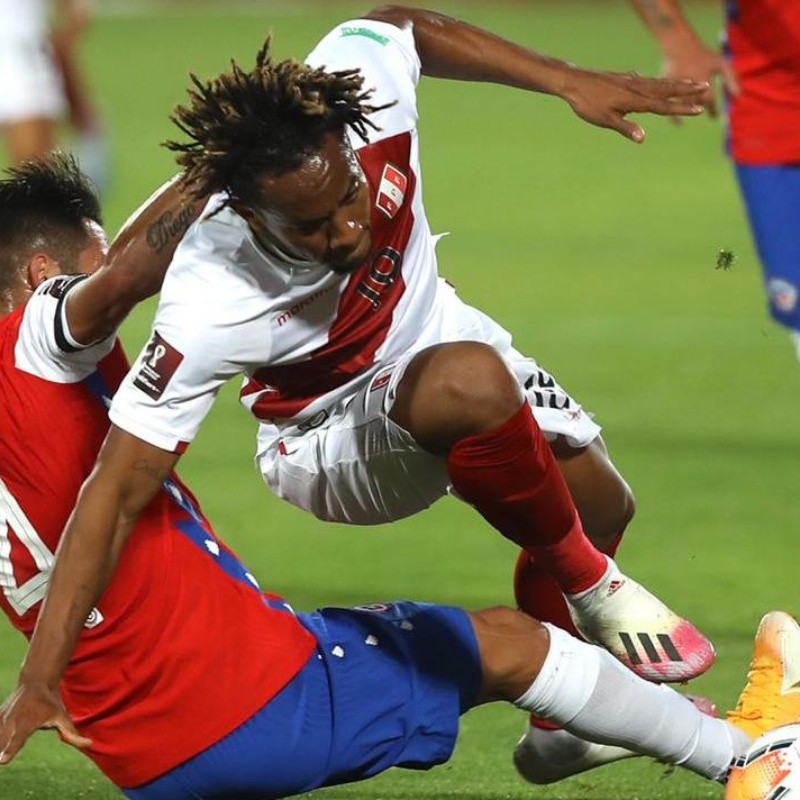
(188, 680)
(60, 364)
(760, 66)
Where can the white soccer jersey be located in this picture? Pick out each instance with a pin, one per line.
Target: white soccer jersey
(302, 336)
(45, 346)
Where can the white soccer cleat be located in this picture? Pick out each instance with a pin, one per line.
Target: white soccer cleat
(621, 616)
(546, 756)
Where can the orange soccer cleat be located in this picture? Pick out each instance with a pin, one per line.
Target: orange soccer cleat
(771, 696)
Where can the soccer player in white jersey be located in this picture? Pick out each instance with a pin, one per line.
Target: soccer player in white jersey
(313, 273)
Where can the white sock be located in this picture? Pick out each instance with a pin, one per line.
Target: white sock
(587, 691)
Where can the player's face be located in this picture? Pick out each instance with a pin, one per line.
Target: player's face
(318, 213)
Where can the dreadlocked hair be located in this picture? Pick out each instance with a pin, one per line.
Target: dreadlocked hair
(43, 206)
(242, 125)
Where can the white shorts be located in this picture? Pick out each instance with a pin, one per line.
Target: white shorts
(358, 466)
(30, 82)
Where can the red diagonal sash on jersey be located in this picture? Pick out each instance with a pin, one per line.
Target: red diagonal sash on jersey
(367, 305)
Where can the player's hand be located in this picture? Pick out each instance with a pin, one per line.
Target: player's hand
(606, 98)
(690, 58)
(30, 708)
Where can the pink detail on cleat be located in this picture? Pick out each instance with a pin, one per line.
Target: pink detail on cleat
(680, 655)
(703, 705)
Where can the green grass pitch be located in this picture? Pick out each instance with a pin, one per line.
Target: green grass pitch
(600, 256)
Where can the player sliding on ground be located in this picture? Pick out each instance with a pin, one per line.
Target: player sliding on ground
(186, 679)
(313, 273)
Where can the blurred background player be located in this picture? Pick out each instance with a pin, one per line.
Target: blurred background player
(41, 82)
(188, 680)
(760, 70)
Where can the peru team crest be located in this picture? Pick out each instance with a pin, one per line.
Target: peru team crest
(391, 191)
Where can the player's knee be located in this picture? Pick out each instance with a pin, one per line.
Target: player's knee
(512, 647)
(451, 391)
(473, 380)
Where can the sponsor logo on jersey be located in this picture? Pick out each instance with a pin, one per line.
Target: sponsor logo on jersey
(160, 361)
(783, 295)
(391, 191)
(370, 34)
(284, 316)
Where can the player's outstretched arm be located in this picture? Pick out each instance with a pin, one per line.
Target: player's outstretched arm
(128, 474)
(685, 55)
(135, 266)
(449, 48)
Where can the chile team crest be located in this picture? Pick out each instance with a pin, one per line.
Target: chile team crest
(391, 190)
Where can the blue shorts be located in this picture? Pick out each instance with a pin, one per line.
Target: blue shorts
(385, 689)
(772, 198)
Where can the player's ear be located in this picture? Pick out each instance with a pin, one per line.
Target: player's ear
(40, 267)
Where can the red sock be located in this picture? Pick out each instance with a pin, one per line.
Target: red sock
(538, 594)
(511, 477)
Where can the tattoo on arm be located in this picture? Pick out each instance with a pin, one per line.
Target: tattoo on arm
(170, 226)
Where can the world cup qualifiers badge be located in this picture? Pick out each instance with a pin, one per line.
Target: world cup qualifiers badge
(158, 365)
